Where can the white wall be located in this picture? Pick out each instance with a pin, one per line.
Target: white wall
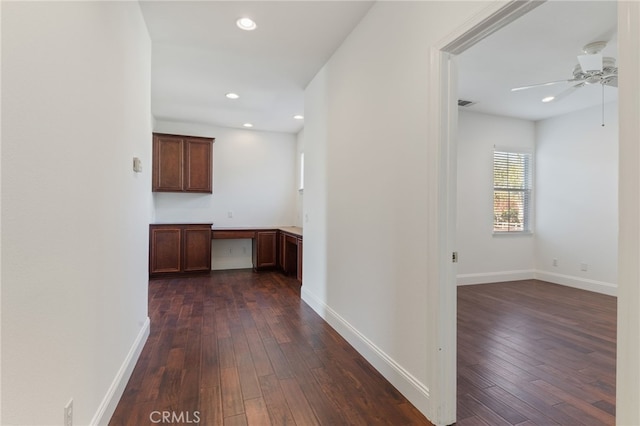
(254, 178)
(75, 111)
(577, 199)
(367, 198)
(484, 257)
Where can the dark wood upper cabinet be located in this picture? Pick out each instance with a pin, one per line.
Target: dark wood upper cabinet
(182, 163)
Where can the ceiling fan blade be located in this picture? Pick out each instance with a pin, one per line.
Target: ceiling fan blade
(567, 92)
(592, 62)
(549, 83)
(611, 81)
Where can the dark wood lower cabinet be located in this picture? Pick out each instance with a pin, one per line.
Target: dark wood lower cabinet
(175, 249)
(165, 247)
(265, 253)
(197, 248)
(186, 248)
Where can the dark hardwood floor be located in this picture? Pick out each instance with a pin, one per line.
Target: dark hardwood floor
(535, 353)
(241, 348)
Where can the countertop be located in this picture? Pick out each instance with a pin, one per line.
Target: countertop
(294, 230)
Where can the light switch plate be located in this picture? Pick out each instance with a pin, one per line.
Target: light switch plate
(137, 165)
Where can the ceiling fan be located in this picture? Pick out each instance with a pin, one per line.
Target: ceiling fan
(592, 68)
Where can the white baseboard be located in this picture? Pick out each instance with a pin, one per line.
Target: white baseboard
(115, 391)
(578, 282)
(412, 388)
(495, 277)
(567, 280)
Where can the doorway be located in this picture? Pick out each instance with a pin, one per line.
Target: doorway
(445, 75)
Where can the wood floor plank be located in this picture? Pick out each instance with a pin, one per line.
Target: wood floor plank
(297, 402)
(258, 353)
(210, 362)
(277, 406)
(257, 413)
(355, 413)
(232, 402)
(210, 409)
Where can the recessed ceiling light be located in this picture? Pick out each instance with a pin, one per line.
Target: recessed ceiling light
(298, 117)
(548, 99)
(246, 24)
(232, 95)
(248, 125)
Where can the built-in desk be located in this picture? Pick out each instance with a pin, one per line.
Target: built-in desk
(271, 247)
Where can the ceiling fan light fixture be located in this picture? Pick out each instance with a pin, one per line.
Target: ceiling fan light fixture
(246, 24)
(590, 62)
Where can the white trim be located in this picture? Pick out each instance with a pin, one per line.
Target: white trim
(115, 391)
(628, 349)
(497, 16)
(578, 282)
(408, 385)
(441, 271)
(495, 277)
(601, 287)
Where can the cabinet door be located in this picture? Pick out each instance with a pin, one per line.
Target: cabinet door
(165, 250)
(168, 160)
(197, 248)
(197, 170)
(265, 249)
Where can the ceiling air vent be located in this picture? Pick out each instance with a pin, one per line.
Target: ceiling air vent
(463, 103)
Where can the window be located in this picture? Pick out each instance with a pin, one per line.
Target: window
(511, 192)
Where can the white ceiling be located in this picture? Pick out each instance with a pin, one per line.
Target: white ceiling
(540, 46)
(199, 55)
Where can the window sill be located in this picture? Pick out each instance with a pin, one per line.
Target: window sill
(513, 234)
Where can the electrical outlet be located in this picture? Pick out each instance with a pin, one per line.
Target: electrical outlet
(68, 413)
(230, 214)
(584, 267)
(555, 262)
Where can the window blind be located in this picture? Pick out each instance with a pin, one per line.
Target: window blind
(511, 191)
